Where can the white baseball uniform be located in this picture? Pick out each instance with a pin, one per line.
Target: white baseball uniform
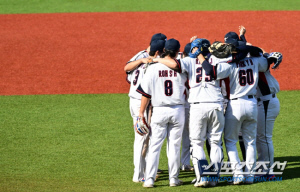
(134, 78)
(186, 143)
(206, 111)
(166, 89)
(268, 110)
(241, 113)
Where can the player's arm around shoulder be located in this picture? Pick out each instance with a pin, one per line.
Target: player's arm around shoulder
(223, 69)
(217, 68)
(134, 64)
(263, 64)
(171, 63)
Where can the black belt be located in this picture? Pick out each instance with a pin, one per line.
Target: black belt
(273, 95)
(196, 103)
(249, 97)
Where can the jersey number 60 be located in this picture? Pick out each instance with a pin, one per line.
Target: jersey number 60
(246, 77)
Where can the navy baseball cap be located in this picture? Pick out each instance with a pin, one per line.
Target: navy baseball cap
(232, 38)
(172, 44)
(187, 48)
(157, 45)
(158, 36)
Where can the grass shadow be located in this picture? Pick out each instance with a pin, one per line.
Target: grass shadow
(292, 170)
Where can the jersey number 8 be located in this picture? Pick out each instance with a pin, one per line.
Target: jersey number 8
(168, 87)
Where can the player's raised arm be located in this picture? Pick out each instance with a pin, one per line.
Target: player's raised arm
(209, 69)
(242, 31)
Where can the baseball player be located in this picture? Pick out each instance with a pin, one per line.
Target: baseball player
(206, 108)
(166, 89)
(186, 143)
(268, 110)
(135, 71)
(232, 37)
(241, 113)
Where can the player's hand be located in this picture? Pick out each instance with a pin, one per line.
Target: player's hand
(242, 30)
(144, 60)
(141, 115)
(156, 60)
(150, 60)
(193, 38)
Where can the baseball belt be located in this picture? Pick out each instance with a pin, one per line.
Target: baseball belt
(266, 97)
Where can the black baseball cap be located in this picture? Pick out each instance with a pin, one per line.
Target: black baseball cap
(158, 36)
(172, 44)
(232, 38)
(187, 48)
(157, 45)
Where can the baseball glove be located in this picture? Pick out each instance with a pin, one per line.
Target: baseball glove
(276, 58)
(141, 126)
(221, 50)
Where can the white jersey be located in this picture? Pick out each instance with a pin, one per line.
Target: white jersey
(267, 84)
(135, 77)
(243, 76)
(163, 85)
(186, 105)
(206, 90)
(180, 55)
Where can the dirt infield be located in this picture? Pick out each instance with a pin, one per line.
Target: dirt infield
(77, 53)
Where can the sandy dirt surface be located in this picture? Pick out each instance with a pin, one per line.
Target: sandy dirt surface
(76, 53)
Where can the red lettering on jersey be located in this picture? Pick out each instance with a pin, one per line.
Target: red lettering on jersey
(175, 74)
(198, 62)
(163, 73)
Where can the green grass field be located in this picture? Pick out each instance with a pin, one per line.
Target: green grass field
(85, 143)
(63, 6)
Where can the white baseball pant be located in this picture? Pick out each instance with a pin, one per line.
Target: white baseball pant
(241, 114)
(185, 147)
(206, 120)
(165, 122)
(268, 110)
(138, 160)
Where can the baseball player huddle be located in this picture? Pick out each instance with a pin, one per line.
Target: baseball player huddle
(199, 96)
